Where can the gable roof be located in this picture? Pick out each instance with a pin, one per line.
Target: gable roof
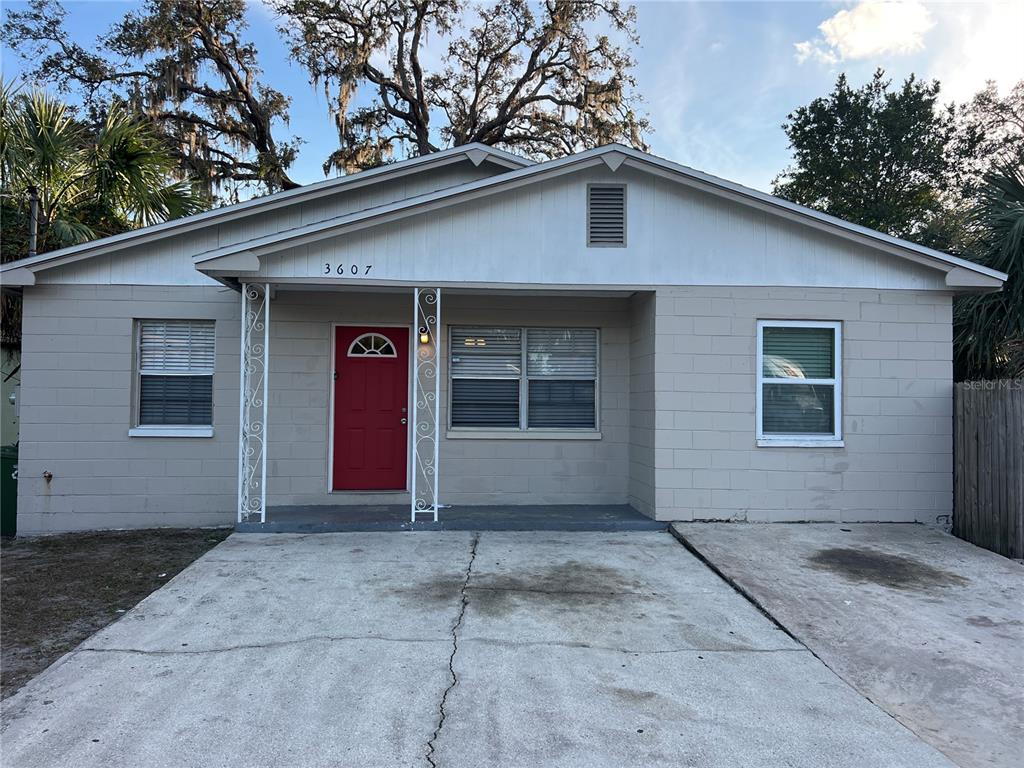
(960, 273)
(476, 153)
(242, 255)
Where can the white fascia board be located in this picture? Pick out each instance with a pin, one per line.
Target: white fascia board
(959, 277)
(18, 277)
(267, 203)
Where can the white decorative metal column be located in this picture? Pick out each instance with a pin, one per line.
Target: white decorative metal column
(252, 408)
(426, 429)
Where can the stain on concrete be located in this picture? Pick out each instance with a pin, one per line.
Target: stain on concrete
(565, 586)
(633, 696)
(427, 595)
(875, 567)
(986, 622)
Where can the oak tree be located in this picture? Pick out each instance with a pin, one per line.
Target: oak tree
(186, 65)
(872, 155)
(418, 75)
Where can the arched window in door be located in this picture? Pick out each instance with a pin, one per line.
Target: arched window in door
(372, 345)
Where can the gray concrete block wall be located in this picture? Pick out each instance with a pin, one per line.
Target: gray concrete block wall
(77, 389)
(641, 402)
(897, 408)
(677, 408)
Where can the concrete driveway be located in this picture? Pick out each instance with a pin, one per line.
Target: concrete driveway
(927, 626)
(448, 649)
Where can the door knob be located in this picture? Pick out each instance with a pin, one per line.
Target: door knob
(405, 421)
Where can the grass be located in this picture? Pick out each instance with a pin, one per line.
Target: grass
(55, 591)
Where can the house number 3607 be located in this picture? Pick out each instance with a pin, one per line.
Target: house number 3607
(344, 270)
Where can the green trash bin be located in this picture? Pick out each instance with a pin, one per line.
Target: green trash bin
(8, 490)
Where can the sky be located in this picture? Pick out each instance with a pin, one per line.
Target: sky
(717, 79)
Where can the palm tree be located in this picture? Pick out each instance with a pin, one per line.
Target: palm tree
(91, 181)
(988, 330)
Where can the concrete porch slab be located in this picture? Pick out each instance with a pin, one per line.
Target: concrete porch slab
(925, 625)
(498, 517)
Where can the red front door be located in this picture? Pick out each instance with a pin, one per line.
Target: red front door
(371, 399)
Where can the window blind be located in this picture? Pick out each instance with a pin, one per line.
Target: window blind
(485, 403)
(562, 353)
(184, 346)
(486, 352)
(176, 361)
(561, 404)
(488, 380)
(176, 400)
(804, 353)
(798, 409)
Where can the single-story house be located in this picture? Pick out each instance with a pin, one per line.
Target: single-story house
(473, 328)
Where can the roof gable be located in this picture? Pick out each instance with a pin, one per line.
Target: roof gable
(536, 235)
(960, 273)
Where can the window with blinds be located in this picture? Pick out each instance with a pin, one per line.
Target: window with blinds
(523, 378)
(175, 372)
(606, 215)
(799, 381)
(561, 367)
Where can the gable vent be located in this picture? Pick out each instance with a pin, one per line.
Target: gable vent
(606, 214)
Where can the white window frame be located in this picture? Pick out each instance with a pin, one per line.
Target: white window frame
(351, 347)
(523, 431)
(803, 440)
(166, 430)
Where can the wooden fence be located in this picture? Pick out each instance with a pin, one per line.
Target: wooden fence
(988, 455)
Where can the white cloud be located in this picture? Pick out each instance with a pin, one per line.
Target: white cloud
(810, 49)
(979, 43)
(869, 29)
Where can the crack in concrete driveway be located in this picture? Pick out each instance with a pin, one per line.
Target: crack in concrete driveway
(454, 678)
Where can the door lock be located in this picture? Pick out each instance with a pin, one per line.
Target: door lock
(405, 421)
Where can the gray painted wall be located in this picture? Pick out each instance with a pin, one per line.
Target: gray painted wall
(677, 408)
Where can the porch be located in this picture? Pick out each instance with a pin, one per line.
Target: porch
(492, 463)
